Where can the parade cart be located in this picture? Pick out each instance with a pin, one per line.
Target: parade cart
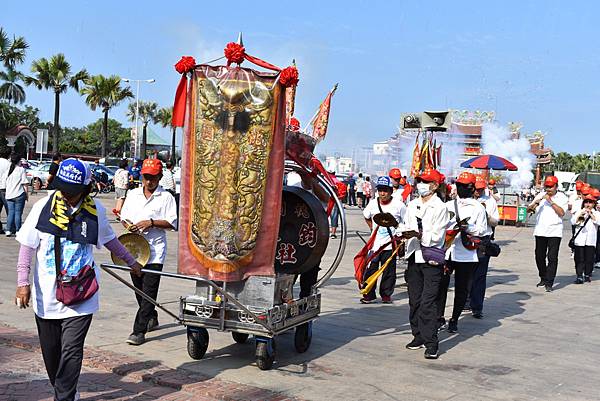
(244, 238)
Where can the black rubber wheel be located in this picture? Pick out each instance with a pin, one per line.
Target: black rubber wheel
(265, 354)
(303, 337)
(197, 342)
(239, 338)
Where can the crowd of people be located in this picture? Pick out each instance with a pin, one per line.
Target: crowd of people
(444, 228)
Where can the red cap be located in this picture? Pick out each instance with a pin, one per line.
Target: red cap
(395, 173)
(492, 181)
(480, 182)
(590, 197)
(152, 167)
(403, 181)
(596, 192)
(550, 181)
(466, 178)
(586, 190)
(430, 175)
(442, 178)
(579, 185)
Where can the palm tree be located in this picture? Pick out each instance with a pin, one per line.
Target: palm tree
(165, 119)
(147, 112)
(104, 92)
(11, 90)
(12, 52)
(55, 74)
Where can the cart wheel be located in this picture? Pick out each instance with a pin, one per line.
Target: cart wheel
(265, 352)
(239, 338)
(197, 342)
(303, 337)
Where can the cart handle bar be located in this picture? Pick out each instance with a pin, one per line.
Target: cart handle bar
(227, 296)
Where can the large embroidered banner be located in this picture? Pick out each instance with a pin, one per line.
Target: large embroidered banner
(232, 173)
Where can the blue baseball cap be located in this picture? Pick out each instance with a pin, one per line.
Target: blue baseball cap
(384, 181)
(73, 176)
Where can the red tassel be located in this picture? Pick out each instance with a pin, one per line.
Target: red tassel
(180, 102)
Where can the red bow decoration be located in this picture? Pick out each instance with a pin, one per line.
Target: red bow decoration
(294, 124)
(183, 66)
(289, 76)
(235, 53)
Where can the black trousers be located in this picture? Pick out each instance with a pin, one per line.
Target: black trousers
(479, 284)
(62, 341)
(148, 283)
(547, 247)
(3, 203)
(388, 278)
(423, 286)
(584, 260)
(363, 199)
(462, 278)
(307, 280)
(351, 198)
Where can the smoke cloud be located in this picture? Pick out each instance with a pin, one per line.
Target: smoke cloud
(497, 140)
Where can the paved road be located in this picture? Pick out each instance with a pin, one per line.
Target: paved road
(531, 345)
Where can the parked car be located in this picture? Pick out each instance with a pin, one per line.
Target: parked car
(39, 172)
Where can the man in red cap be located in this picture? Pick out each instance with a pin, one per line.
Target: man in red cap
(576, 196)
(549, 208)
(493, 189)
(149, 210)
(470, 219)
(478, 286)
(428, 216)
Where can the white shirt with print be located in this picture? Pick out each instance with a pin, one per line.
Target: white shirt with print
(160, 206)
(396, 209)
(74, 256)
(14, 182)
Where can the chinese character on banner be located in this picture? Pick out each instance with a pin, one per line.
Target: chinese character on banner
(285, 254)
(302, 210)
(308, 235)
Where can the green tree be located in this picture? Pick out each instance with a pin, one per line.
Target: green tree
(87, 140)
(582, 162)
(12, 52)
(104, 92)
(165, 119)
(11, 116)
(147, 113)
(55, 74)
(562, 161)
(10, 89)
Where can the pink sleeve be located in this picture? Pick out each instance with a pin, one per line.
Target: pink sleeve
(120, 251)
(24, 265)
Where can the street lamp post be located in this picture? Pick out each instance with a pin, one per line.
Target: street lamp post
(137, 107)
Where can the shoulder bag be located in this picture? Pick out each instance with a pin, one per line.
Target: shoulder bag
(71, 290)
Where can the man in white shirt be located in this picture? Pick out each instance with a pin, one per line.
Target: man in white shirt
(428, 216)
(478, 286)
(149, 210)
(576, 196)
(4, 166)
(469, 220)
(549, 208)
(383, 204)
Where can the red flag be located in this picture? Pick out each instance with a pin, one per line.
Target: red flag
(321, 119)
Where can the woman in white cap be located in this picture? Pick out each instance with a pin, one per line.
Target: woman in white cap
(62, 230)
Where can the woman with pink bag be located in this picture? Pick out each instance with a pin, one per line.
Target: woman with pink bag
(62, 231)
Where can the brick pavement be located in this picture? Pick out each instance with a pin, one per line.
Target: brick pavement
(110, 375)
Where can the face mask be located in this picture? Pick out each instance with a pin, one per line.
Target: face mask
(423, 189)
(464, 192)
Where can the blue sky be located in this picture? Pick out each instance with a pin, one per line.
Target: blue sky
(535, 62)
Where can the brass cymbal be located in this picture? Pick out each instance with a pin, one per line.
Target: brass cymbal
(137, 245)
(385, 220)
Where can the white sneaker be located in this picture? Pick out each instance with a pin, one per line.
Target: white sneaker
(7, 233)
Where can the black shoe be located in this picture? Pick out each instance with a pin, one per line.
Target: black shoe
(452, 326)
(548, 287)
(477, 314)
(365, 300)
(152, 324)
(136, 339)
(441, 324)
(431, 352)
(415, 344)
(579, 280)
(541, 283)
(588, 279)
(467, 307)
